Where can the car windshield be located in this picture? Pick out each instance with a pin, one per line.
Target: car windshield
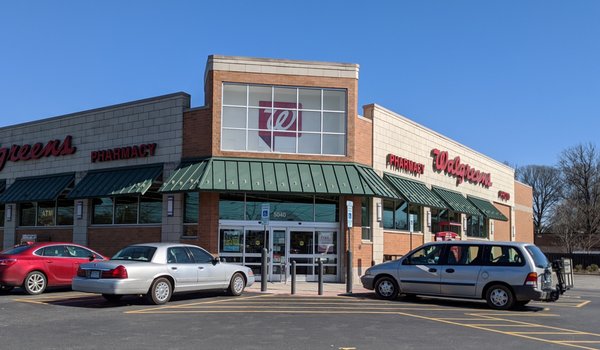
(138, 253)
(16, 250)
(539, 258)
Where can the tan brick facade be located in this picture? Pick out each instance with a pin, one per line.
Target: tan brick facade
(502, 229)
(398, 243)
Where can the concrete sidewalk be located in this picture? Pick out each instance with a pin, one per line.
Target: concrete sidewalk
(308, 288)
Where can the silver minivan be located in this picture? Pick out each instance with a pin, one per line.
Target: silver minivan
(505, 274)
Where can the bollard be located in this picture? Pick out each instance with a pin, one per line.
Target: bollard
(349, 272)
(320, 277)
(293, 277)
(263, 270)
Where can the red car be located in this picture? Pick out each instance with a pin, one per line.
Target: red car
(35, 266)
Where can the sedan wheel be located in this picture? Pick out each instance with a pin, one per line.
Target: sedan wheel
(35, 283)
(160, 292)
(386, 288)
(500, 297)
(237, 284)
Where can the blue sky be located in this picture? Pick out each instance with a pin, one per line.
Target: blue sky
(516, 80)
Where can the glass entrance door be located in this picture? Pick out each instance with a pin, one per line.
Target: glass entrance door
(279, 255)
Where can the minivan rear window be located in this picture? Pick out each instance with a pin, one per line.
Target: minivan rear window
(539, 258)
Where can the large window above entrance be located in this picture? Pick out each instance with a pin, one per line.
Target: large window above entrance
(262, 118)
(282, 207)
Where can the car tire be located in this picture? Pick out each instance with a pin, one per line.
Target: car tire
(237, 284)
(112, 297)
(160, 291)
(35, 283)
(386, 288)
(6, 289)
(500, 297)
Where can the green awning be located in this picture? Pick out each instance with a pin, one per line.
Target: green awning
(456, 201)
(487, 208)
(117, 181)
(414, 192)
(37, 189)
(256, 175)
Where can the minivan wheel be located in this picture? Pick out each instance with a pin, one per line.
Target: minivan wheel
(500, 297)
(386, 288)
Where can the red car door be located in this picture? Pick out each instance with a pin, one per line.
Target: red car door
(58, 264)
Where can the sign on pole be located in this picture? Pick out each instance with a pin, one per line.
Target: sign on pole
(349, 205)
(265, 213)
(411, 222)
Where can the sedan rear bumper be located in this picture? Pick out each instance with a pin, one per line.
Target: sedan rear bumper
(110, 286)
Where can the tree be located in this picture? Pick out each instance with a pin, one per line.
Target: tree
(546, 184)
(580, 167)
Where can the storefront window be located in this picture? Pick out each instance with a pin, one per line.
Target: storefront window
(327, 209)
(476, 226)
(231, 207)
(261, 118)
(126, 209)
(27, 214)
(2, 214)
(151, 208)
(283, 208)
(64, 212)
(365, 218)
(396, 215)
(231, 241)
(102, 211)
(190, 204)
(45, 213)
(445, 220)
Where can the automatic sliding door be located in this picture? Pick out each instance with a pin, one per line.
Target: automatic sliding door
(254, 243)
(302, 252)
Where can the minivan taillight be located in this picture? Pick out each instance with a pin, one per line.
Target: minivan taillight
(532, 279)
(7, 262)
(118, 272)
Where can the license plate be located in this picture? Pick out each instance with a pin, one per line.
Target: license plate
(94, 274)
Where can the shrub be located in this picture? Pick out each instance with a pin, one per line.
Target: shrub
(593, 268)
(578, 267)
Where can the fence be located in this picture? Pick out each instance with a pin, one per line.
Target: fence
(584, 260)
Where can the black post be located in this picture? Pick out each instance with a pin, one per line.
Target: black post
(349, 272)
(263, 271)
(293, 277)
(320, 277)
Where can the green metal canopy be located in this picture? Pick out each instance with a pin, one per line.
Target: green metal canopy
(414, 192)
(117, 181)
(456, 201)
(37, 189)
(258, 175)
(487, 208)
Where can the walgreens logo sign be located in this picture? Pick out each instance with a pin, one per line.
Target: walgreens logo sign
(282, 120)
(462, 172)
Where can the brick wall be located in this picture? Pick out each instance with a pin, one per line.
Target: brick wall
(400, 243)
(109, 240)
(208, 223)
(197, 133)
(363, 152)
(523, 213)
(502, 228)
(47, 234)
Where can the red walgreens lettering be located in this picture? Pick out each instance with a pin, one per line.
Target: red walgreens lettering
(505, 196)
(53, 148)
(461, 171)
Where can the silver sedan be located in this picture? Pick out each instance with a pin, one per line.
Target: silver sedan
(157, 270)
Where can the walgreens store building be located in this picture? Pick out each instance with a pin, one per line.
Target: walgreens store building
(281, 134)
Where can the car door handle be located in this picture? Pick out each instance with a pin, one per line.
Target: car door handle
(49, 261)
(173, 268)
(431, 269)
(200, 267)
(450, 270)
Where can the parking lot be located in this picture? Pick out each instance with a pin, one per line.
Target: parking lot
(65, 319)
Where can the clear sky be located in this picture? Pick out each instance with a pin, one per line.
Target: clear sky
(517, 80)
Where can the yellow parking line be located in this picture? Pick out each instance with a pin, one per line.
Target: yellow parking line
(191, 304)
(549, 333)
(584, 303)
(500, 325)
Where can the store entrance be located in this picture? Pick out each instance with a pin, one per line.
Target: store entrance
(305, 246)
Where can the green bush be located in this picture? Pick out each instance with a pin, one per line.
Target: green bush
(593, 268)
(578, 267)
